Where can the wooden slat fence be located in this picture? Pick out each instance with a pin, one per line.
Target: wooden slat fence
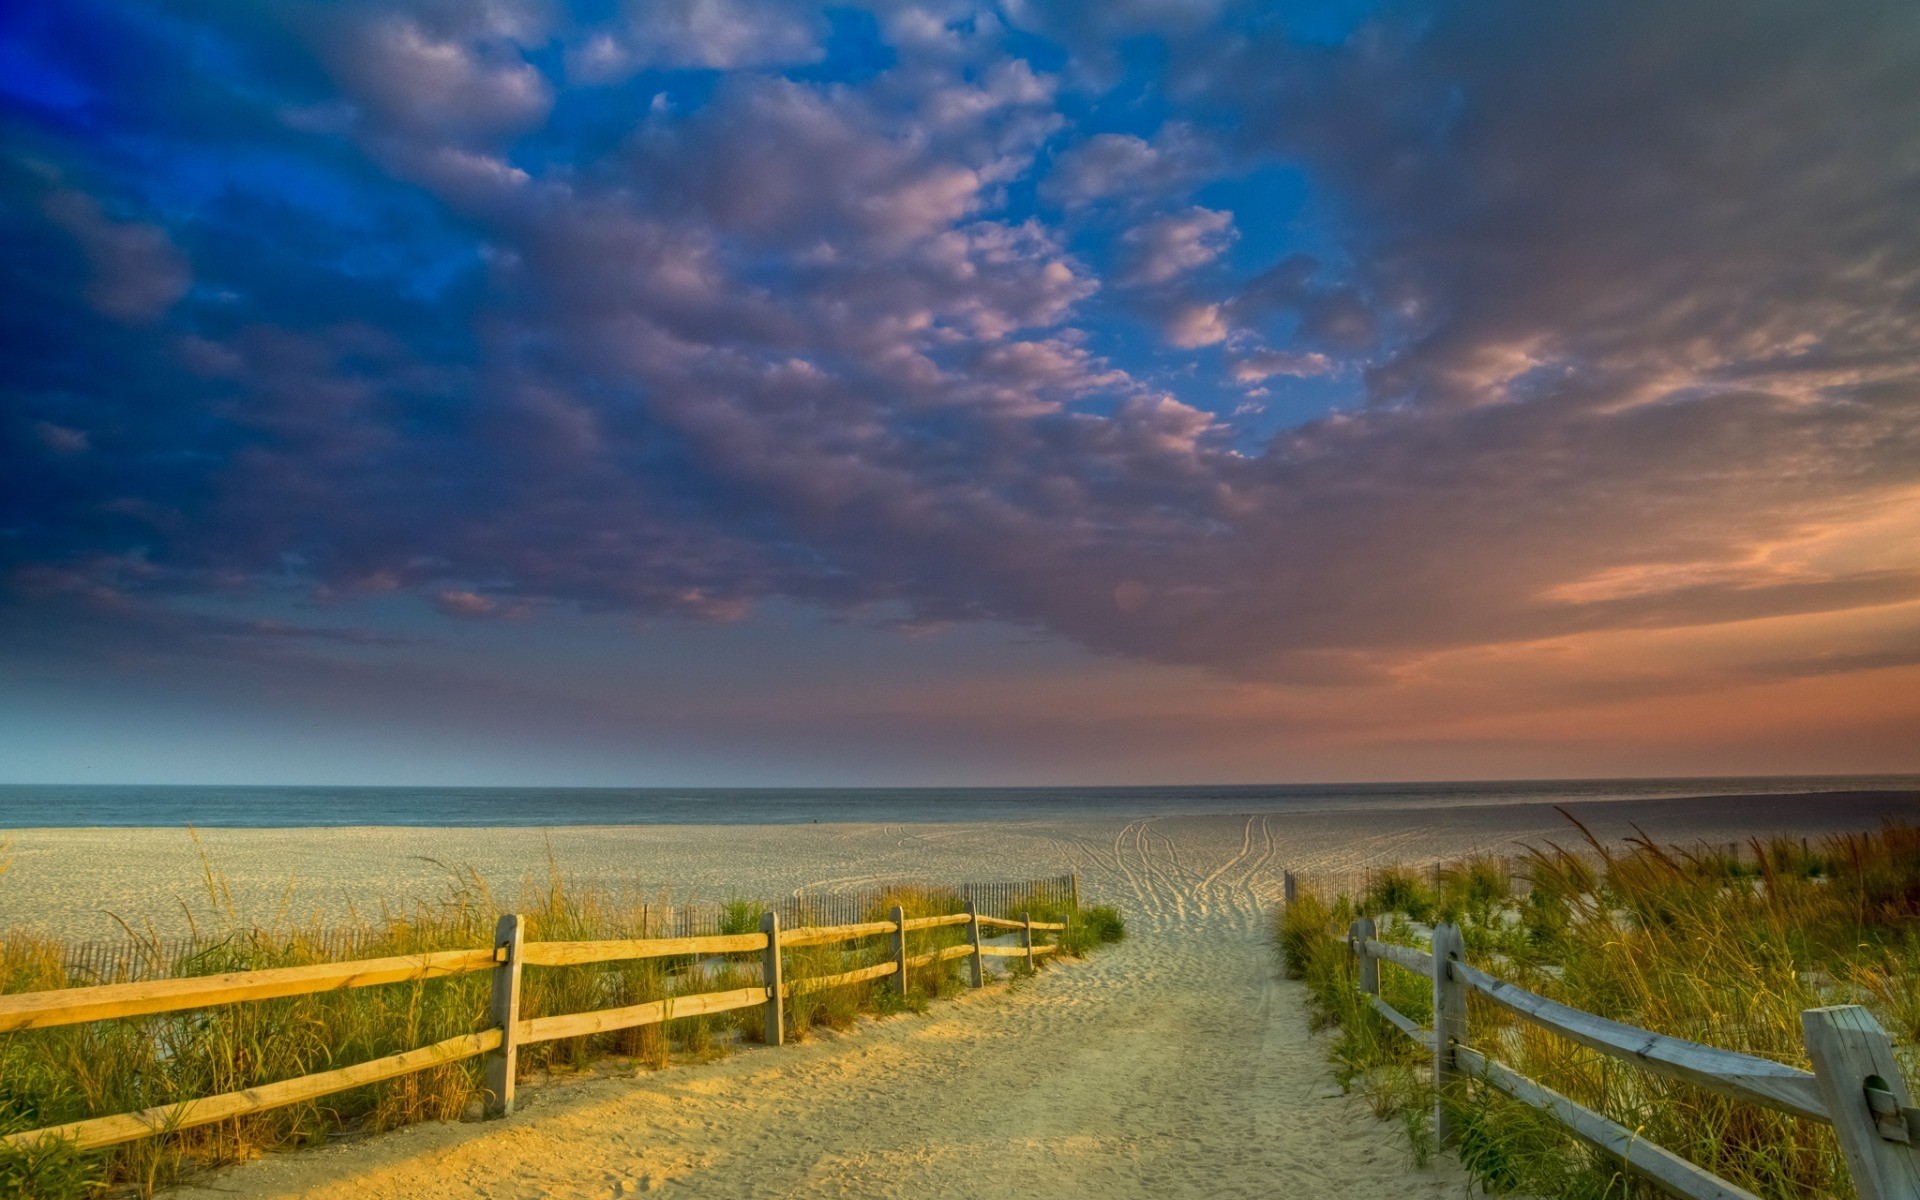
(506, 960)
(127, 960)
(1856, 1085)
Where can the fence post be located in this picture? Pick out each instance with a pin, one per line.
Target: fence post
(1872, 1110)
(1449, 1026)
(503, 1010)
(1026, 939)
(1357, 934)
(1075, 877)
(1289, 887)
(770, 974)
(979, 978)
(898, 940)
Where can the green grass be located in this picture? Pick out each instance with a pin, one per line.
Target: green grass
(69, 1073)
(1689, 942)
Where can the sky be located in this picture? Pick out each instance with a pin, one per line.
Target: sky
(678, 392)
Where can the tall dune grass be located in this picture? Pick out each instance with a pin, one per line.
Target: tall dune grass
(1692, 942)
(57, 1075)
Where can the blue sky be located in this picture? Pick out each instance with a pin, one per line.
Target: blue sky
(743, 391)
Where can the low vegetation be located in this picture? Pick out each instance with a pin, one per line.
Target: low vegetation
(1716, 947)
(52, 1076)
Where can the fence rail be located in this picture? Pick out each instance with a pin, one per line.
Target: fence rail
(126, 960)
(1856, 1085)
(508, 1030)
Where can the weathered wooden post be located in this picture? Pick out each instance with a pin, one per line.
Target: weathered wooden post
(1449, 1026)
(1873, 1115)
(771, 975)
(1358, 933)
(898, 942)
(1075, 877)
(979, 976)
(1289, 887)
(1026, 939)
(503, 1010)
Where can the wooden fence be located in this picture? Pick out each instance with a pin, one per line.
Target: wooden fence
(507, 1030)
(1856, 1085)
(125, 960)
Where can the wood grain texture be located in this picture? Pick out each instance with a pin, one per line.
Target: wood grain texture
(1403, 1023)
(547, 1029)
(1000, 922)
(570, 954)
(71, 1006)
(1724, 1072)
(1643, 1158)
(1003, 951)
(1406, 956)
(127, 1127)
(827, 935)
(937, 922)
(1849, 1049)
(821, 983)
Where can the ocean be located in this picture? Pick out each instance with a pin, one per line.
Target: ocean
(43, 806)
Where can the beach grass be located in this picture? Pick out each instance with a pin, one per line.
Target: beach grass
(52, 1076)
(1695, 942)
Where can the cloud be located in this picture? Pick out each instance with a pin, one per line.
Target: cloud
(807, 336)
(1168, 247)
(1124, 165)
(1266, 364)
(706, 34)
(464, 83)
(137, 273)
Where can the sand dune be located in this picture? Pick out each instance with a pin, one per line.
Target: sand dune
(1172, 1065)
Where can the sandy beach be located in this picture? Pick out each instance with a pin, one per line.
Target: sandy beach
(1173, 1064)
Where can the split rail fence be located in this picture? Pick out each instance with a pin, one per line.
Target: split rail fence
(507, 1030)
(1856, 1084)
(124, 960)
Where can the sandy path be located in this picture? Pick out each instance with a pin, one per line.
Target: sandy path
(1172, 1065)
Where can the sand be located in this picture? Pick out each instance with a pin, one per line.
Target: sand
(1175, 1064)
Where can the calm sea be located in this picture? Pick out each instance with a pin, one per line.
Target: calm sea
(26, 806)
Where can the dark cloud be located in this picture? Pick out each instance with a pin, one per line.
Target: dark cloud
(1632, 288)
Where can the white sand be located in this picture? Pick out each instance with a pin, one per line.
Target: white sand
(1172, 1065)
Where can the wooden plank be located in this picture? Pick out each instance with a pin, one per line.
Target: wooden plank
(937, 922)
(774, 1028)
(1724, 1072)
(70, 1006)
(976, 970)
(897, 946)
(1406, 956)
(826, 935)
(1652, 1163)
(1403, 1023)
(1000, 922)
(1054, 926)
(821, 983)
(503, 1011)
(934, 956)
(605, 1020)
(128, 1127)
(1039, 950)
(1360, 936)
(1449, 1026)
(571, 954)
(1850, 1053)
(1003, 951)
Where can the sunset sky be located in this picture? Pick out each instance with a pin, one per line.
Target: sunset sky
(739, 392)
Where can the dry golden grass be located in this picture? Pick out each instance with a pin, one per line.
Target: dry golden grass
(1694, 943)
(52, 1076)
